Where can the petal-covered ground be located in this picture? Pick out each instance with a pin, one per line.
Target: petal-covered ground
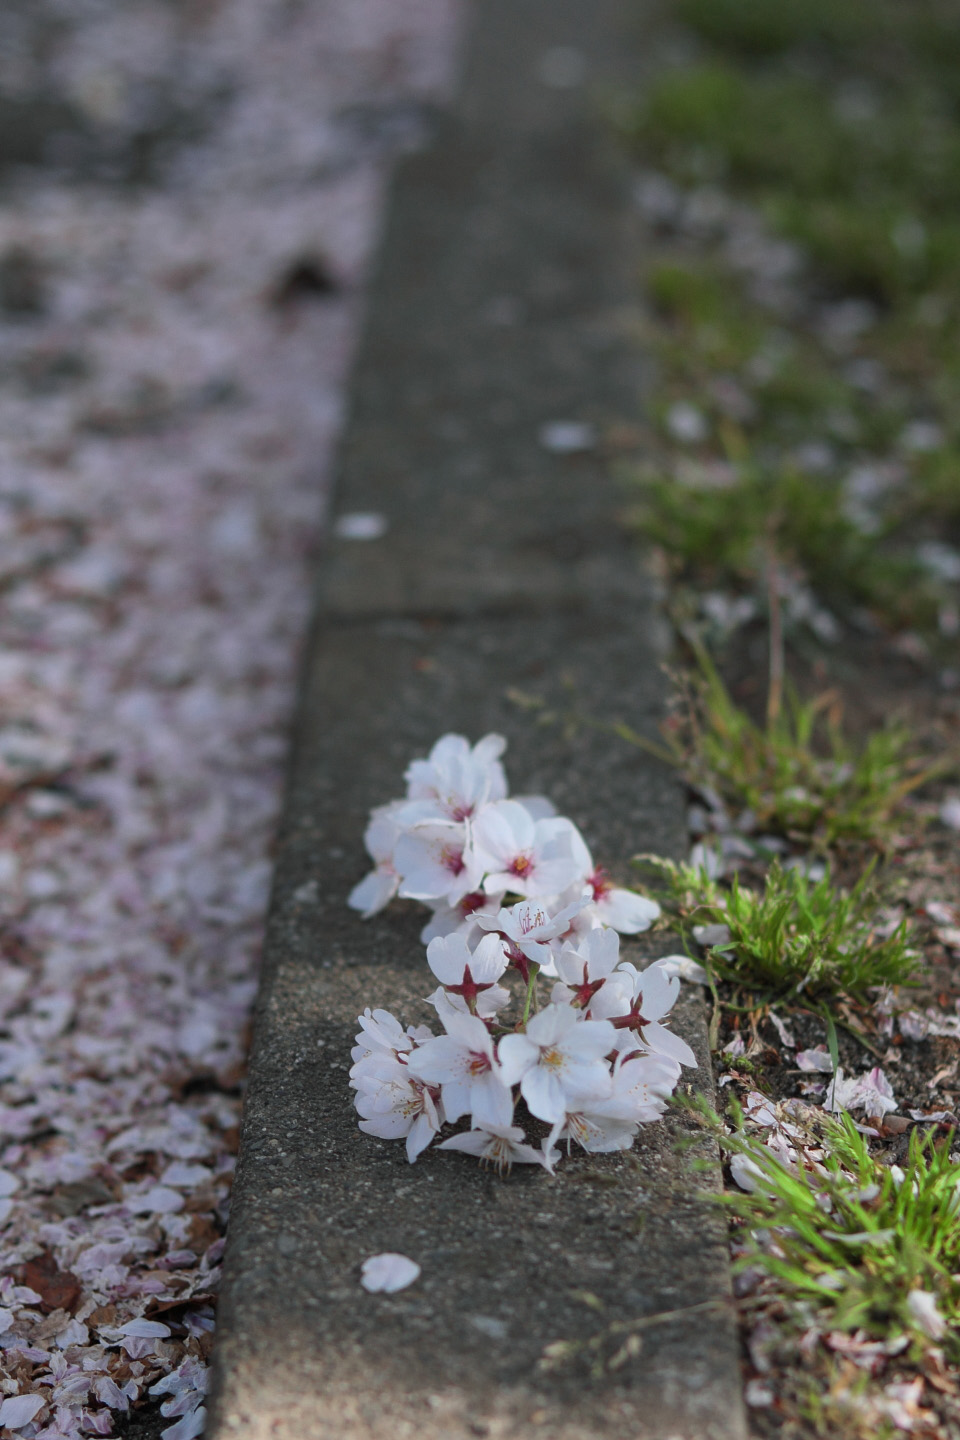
(179, 295)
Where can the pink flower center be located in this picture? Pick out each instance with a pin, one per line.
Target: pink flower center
(578, 1129)
(478, 1063)
(470, 988)
(498, 1154)
(532, 920)
(452, 859)
(600, 883)
(521, 866)
(416, 1101)
(585, 991)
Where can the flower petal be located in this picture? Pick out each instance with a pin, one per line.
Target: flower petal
(388, 1273)
(544, 1095)
(516, 1055)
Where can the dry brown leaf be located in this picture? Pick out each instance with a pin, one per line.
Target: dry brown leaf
(58, 1289)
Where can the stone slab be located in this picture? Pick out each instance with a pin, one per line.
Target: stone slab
(499, 307)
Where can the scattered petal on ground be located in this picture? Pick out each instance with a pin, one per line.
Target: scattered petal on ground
(388, 1273)
(168, 410)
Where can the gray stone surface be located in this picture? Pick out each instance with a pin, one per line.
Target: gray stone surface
(499, 307)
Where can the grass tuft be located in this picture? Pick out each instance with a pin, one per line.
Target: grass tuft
(851, 1235)
(768, 27)
(721, 534)
(868, 179)
(798, 774)
(794, 937)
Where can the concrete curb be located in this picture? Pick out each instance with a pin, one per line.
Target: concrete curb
(498, 309)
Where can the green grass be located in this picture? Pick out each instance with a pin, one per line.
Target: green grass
(710, 533)
(933, 496)
(776, 132)
(850, 1238)
(694, 295)
(794, 937)
(768, 27)
(800, 774)
(685, 892)
(841, 120)
(751, 131)
(860, 244)
(886, 36)
(720, 534)
(710, 327)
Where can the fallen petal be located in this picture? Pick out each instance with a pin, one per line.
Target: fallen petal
(388, 1273)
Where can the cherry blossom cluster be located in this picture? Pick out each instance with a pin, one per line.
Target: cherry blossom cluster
(457, 843)
(517, 901)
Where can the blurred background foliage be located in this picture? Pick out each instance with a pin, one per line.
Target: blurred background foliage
(807, 397)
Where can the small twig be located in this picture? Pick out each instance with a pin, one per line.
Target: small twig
(831, 1039)
(860, 1038)
(626, 732)
(560, 1351)
(775, 690)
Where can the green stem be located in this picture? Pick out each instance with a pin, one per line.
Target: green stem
(860, 1038)
(831, 1039)
(531, 987)
(714, 1030)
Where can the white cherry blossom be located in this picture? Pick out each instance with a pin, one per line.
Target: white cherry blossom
(381, 1033)
(871, 1093)
(18, 1410)
(462, 918)
(641, 1087)
(610, 904)
(501, 1146)
(435, 862)
(599, 1127)
(584, 964)
(463, 969)
(559, 1061)
(690, 970)
(531, 929)
(395, 1105)
(468, 975)
(489, 1003)
(538, 807)
(455, 780)
(620, 908)
(379, 887)
(922, 1305)
(464, 1064)
(613, 1000)
(596, 1062)
(519, 854)
(646, 1082)
(635, 1001)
